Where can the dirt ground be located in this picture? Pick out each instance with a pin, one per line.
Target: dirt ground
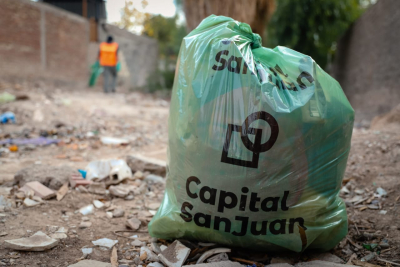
(79, 116)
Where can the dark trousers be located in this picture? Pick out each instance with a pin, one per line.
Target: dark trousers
(110, 78)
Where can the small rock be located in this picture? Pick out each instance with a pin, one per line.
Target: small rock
(37, 242)
(138, 175)
(58, 236)
(149, 255)
(97, 188)
(137, 243)
(3, 233)
(133, 223)
(109, 214)
(155, 264)
(30, 203)
(86, 251)
(153, 206)
(105, 242)
(140, 163)
(20, 195)
(175, 255)
(119, 191)
(84, 225)
(98, 204)
(117, 213)
(84, 218)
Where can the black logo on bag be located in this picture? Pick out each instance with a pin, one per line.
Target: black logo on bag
(255, 147)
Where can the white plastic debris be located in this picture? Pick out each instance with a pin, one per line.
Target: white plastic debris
(116, 169)
(114, 141)
(381, 192)
(87, 209)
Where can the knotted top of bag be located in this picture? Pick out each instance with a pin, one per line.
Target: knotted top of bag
(256, 38)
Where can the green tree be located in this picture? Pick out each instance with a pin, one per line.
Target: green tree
(312, 26)
(169, 35)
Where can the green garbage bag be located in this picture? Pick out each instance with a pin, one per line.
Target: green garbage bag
(96, 71)
(258, 144)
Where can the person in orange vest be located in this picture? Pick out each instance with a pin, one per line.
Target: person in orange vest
(108, 58)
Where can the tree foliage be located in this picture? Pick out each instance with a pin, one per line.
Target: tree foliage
(167, 32)
(131, 17)
(312, 26)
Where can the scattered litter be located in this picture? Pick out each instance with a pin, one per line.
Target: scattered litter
(40, 190)
(113, 141)
(147, 255)
(13, 148)
(211, 252)
(6, 97)
(115, 169)
(155, 264)
(175, 255)
(381, 192)
(7, 117)
(37, 242)
(83, 173)
(89, 209)
(62, 192)
(39, 141)
(105, 242)
(98, 204)
(77, 180)
(369, 257)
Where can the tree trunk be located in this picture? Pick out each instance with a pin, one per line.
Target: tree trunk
(256, 13)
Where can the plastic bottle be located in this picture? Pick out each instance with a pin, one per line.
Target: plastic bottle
(6, 117)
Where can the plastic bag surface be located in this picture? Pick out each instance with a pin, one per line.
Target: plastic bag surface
(258, 144)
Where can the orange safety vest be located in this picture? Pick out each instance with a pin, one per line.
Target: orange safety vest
(108, 54)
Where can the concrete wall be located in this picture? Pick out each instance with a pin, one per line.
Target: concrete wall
(138, 54)
(39, 40)
(367, 60)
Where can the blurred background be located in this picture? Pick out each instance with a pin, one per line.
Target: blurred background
(353, 40)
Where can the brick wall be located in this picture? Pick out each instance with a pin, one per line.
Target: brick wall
(38, 40)
(367, 60)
